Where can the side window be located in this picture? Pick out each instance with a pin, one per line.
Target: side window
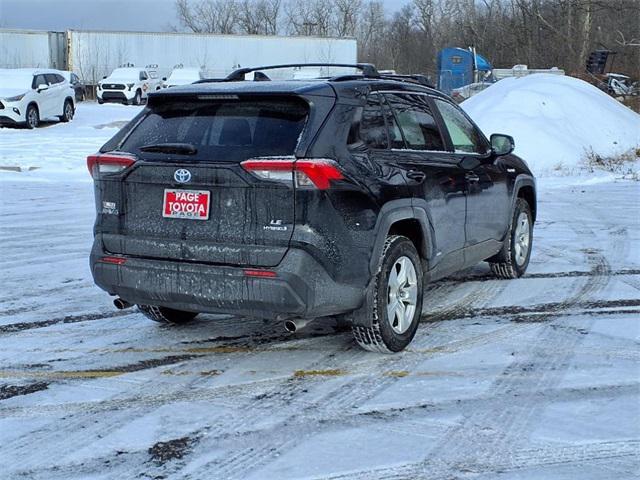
(52, 78)
(373, 131)
(39, 80)
(416, 122)
(144, 76)
(395, 134)
(59, 78)
(464, 135)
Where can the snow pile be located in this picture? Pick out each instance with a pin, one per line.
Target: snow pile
(559, 123)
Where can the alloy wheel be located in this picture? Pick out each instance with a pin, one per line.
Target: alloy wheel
(522, 238)
(402, 294)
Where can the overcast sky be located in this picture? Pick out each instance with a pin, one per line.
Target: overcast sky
(141, 15)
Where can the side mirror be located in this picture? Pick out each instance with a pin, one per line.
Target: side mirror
(164, 79)
(42, 87)
(502, 144)
(104, 77)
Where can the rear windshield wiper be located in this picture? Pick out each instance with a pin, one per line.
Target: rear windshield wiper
(177, 148)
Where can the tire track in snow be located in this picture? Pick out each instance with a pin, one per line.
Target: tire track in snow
(22, 326)
(544, 371)
(520, 460)
(350, 394)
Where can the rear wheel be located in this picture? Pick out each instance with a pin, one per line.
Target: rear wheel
(167, 315)
(33, 117)
(394, 304)
(513, 259)
(100, 101)
(67, 111)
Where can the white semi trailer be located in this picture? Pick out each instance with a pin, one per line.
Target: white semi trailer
(32, 49)
(94, 54)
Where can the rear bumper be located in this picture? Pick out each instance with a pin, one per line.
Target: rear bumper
(301, 287)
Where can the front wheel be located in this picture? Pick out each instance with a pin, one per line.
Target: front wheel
(166, 315)
(67, 112)
(137, 100)
(33, 117)
(513, 259)
(394, 304)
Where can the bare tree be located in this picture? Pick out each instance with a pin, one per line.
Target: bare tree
(347, 15)
(208, 16)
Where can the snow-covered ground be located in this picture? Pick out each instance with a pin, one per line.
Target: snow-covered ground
(537, 378)
(560, 123)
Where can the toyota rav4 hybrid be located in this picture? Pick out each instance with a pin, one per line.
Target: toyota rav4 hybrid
(293, 200)
(128, 85)
(29, 95)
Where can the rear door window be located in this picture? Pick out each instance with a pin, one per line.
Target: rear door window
(229, 130)
(396, 140)
(373, 131)
(416, 122)
(53, 79)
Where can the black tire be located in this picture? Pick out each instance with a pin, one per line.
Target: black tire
(100, 101)
(385, 334)
(512, 262)
(137, 100)
(167, 315)
(32, 117)
(67, 111)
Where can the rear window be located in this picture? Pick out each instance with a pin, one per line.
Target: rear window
(228, 130)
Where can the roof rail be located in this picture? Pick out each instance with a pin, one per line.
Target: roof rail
(413, 78)
(368, 70)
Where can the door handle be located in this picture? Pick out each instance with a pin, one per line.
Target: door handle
(416, 175)
(472, 178)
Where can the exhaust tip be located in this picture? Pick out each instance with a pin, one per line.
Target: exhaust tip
(121, 304)
(290, 326)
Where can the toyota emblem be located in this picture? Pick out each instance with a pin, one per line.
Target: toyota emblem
(182, 175)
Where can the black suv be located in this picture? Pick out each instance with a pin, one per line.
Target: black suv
(291, 200)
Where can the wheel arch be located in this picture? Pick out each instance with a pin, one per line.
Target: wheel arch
(400, 217)
(525, 188)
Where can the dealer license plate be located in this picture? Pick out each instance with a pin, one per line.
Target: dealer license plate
(187, 204)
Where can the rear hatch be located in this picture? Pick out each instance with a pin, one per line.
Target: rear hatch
(188, 198)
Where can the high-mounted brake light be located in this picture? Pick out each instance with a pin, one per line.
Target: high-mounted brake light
(101, 163)
(315, 173)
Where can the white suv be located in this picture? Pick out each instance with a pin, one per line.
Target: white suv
(128, 85)
(28, 95)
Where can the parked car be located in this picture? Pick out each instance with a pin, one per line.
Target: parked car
(301, 199)
(78, 85)
(183, 76)
(128, 85)
(29, 95)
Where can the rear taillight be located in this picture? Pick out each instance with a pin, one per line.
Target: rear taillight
(108, 163)
(312, 173)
